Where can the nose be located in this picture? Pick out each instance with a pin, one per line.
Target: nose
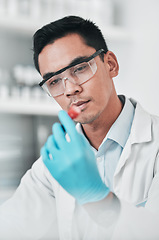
(71, 87)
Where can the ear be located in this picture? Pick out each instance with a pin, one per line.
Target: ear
(112, 62)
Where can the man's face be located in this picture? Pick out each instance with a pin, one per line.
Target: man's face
(92, 97)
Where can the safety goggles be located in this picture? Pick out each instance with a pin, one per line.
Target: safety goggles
(77, 74)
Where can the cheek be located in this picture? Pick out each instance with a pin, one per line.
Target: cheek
(61, 100)
(99, 87)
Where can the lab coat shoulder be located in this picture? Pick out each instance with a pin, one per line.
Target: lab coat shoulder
(145, 126)
(31, 212)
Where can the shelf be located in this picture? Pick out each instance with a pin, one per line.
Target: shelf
(22, 25)
(29, 107)
(27, 26)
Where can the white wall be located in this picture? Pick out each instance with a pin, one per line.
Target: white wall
(139, 70)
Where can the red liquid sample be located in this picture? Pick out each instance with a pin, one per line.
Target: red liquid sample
(73, 112)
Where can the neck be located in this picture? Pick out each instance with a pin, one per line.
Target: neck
(98, 129)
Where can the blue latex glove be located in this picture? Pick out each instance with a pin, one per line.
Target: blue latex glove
(73, 163)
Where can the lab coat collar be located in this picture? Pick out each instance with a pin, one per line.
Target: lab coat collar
(120, 130)
(141, 126)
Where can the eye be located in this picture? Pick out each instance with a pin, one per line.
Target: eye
(54, 82)
(81, 68)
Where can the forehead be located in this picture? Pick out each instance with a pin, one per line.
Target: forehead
(60, 53)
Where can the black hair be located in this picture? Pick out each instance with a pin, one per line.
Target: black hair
(88, 30)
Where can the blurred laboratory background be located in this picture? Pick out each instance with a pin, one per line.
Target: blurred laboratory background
(131, 29)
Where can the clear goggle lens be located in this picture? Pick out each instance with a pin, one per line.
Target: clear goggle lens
(78, 74)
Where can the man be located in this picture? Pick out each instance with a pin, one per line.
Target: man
(91, 177)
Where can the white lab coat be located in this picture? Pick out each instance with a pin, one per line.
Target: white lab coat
(42, 209)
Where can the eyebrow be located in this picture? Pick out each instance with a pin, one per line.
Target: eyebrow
(74, 62)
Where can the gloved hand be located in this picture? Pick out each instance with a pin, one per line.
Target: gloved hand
(73, 162)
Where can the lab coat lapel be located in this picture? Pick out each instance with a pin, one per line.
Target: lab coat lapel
(117, 175)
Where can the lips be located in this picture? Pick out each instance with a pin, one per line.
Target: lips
(81, 103)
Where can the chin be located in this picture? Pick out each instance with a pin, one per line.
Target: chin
(87, 119)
